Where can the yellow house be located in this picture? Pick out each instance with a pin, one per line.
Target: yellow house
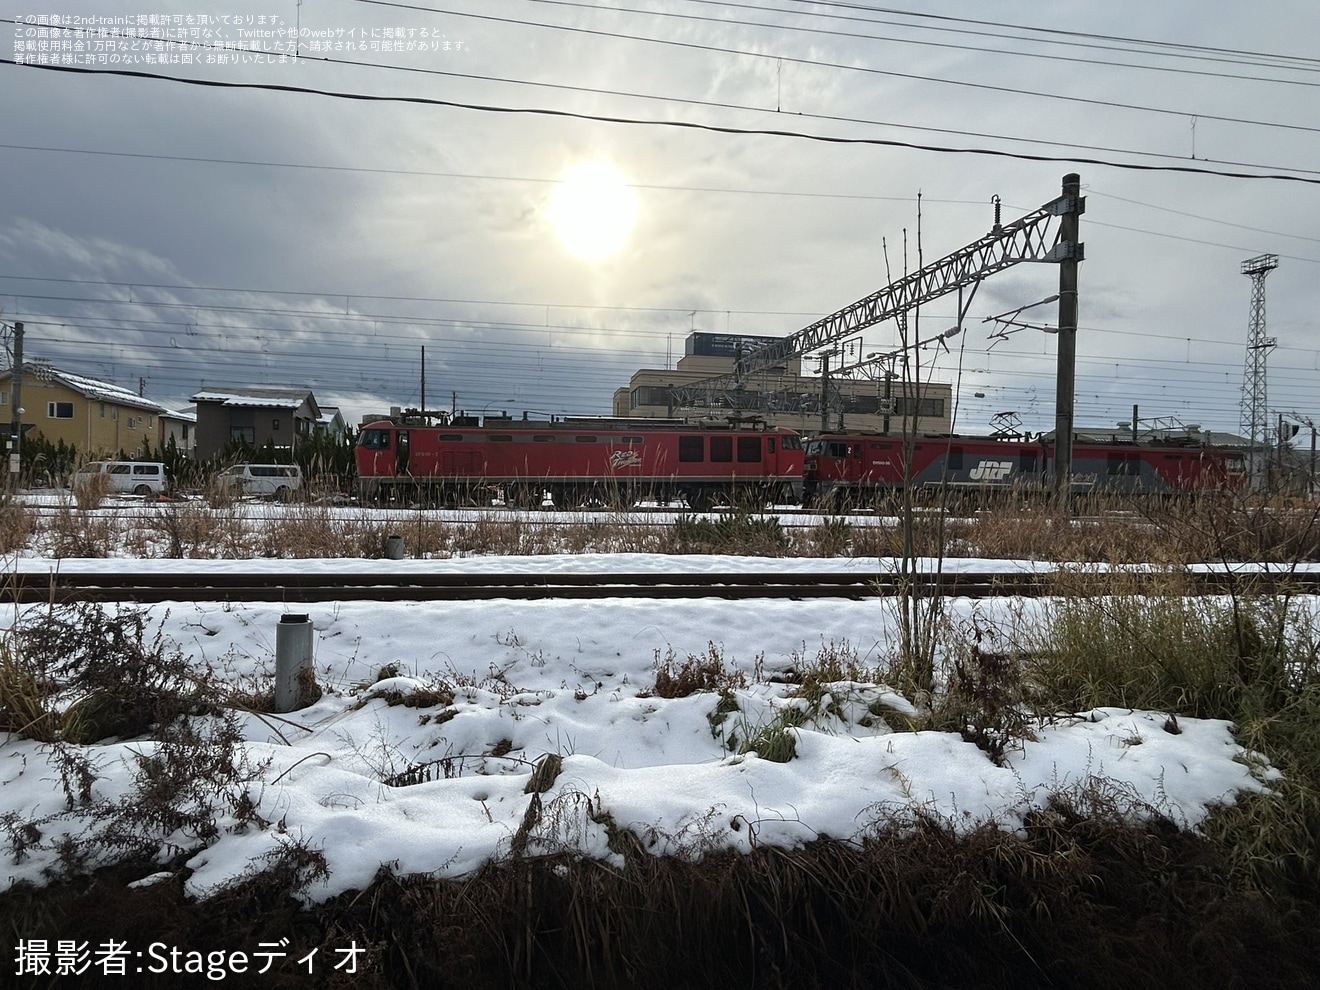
(97, 418)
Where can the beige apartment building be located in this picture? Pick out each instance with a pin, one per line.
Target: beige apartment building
(786, 397)
(97, 418)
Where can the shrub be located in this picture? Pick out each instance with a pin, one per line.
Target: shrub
(738, 532)
(704, 672)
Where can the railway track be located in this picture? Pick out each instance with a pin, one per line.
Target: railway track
(305, 587)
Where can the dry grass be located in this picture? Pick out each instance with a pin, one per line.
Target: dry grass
(1077, 900)
(1079, 897)
(703, 672)
(92, 491)
(18, 523)
(1209, 529)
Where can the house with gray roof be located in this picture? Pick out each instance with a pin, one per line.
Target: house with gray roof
(257, 415)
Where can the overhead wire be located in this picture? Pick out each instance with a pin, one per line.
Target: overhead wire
(1061, 32)
(1304, 176)
(1300, 64)
(818, 63)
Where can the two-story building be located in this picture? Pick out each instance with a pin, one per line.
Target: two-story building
(96, 417)
(180, 428)
(257, 415)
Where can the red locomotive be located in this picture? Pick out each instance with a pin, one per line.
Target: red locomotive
(852, 468)
(578, 461)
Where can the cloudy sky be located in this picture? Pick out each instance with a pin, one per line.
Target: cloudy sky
(320, 220)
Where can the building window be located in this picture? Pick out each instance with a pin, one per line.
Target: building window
(275, 426)
(4, 398)
(247, 434)
(131, 422)
(927, 407)
(59, 410)
(652, 395)
(103, 410)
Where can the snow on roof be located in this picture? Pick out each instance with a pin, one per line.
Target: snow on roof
(92, 388)
(283, 398)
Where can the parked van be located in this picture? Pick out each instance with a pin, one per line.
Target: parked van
(138, 477)
(277, 480)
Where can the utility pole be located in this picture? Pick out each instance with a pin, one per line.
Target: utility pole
(16, 404)
(1070, 253)
(825, 392)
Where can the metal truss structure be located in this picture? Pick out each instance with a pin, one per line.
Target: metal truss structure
(1036, 237)
(1255, 404)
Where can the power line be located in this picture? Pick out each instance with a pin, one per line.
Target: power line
(1056, 31)
(807, 115)
(679, 310)
(868, 70)
(1304, 176)
(1238, 58)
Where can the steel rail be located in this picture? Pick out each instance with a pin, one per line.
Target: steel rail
(393, 585)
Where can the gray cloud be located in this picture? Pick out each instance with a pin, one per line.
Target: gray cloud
(343, 253)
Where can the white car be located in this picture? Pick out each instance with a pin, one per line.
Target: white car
(138, 477)
(276, 480)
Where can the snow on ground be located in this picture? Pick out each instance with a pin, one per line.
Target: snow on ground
(573, 678)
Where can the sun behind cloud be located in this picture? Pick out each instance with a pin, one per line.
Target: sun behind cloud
(593, 210)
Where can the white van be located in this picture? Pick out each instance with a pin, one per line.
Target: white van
(278, 480)
(138, 477)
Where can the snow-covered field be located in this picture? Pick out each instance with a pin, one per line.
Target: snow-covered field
(575, 679)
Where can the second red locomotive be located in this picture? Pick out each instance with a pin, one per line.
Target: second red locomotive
(578, 462)
(854, 468)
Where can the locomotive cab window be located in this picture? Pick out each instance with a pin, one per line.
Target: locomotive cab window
(769, 445)
(749, 450)
(691, 449)
(375, 439)
(792, 442)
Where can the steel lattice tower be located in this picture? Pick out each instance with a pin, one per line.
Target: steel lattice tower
(1255, 407)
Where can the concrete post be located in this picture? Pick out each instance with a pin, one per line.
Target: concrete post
(295, 677)
(1071, 249)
